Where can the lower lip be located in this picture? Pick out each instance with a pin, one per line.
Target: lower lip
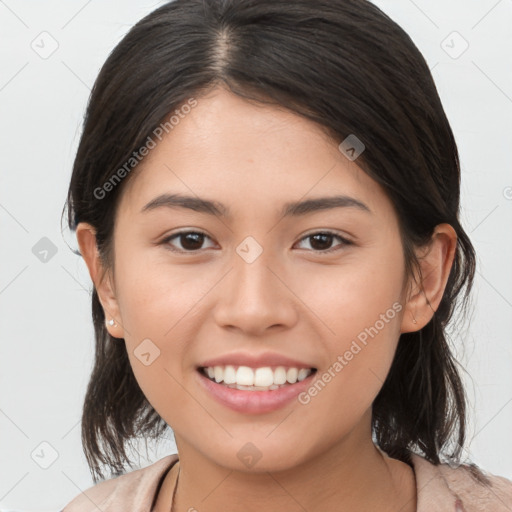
(254, 402)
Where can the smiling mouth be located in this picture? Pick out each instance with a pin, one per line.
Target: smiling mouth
(245, 378)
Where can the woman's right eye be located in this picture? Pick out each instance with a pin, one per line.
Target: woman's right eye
(190, 241)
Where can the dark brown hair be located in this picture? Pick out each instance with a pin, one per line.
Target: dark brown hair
(348, 67)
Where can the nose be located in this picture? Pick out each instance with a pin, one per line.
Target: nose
(254, 297)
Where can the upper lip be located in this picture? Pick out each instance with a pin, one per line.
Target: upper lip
(255, 360)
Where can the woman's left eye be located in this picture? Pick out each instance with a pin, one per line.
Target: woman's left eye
(191, 241)
(323, 238)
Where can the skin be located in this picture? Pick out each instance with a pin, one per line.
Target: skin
(293, 299)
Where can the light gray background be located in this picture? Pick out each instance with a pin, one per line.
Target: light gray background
(47, 336)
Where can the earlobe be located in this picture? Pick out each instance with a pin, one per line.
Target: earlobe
(428, 289)
(86, 237)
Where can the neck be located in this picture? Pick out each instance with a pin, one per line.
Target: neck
(349, 476)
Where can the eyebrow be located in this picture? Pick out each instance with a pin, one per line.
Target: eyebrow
(297, 208)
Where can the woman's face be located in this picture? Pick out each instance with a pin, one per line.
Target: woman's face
(257, 282)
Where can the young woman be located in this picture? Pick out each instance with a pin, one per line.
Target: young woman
(266, 195)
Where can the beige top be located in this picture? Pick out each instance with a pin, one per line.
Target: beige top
(439, 489)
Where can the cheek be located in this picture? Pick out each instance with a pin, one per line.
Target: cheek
(351, 297)
(358, 305)
(156, 307)
(157, 299)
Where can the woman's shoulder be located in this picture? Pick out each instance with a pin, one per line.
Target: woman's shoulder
(462, 488)
(135, 490)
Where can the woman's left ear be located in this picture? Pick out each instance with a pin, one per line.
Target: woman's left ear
(435, 262)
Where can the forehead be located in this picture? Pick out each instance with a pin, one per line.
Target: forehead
(249, 157)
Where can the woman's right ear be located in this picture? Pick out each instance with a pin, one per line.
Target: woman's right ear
(86, 237)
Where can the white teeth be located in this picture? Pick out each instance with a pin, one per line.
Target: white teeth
(302, 374)
(280, 375)
(291, 375)
(263, 377)
(229, 375)
(244, 375)
(246, 378)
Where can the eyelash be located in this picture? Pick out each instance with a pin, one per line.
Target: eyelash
(344, 241)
